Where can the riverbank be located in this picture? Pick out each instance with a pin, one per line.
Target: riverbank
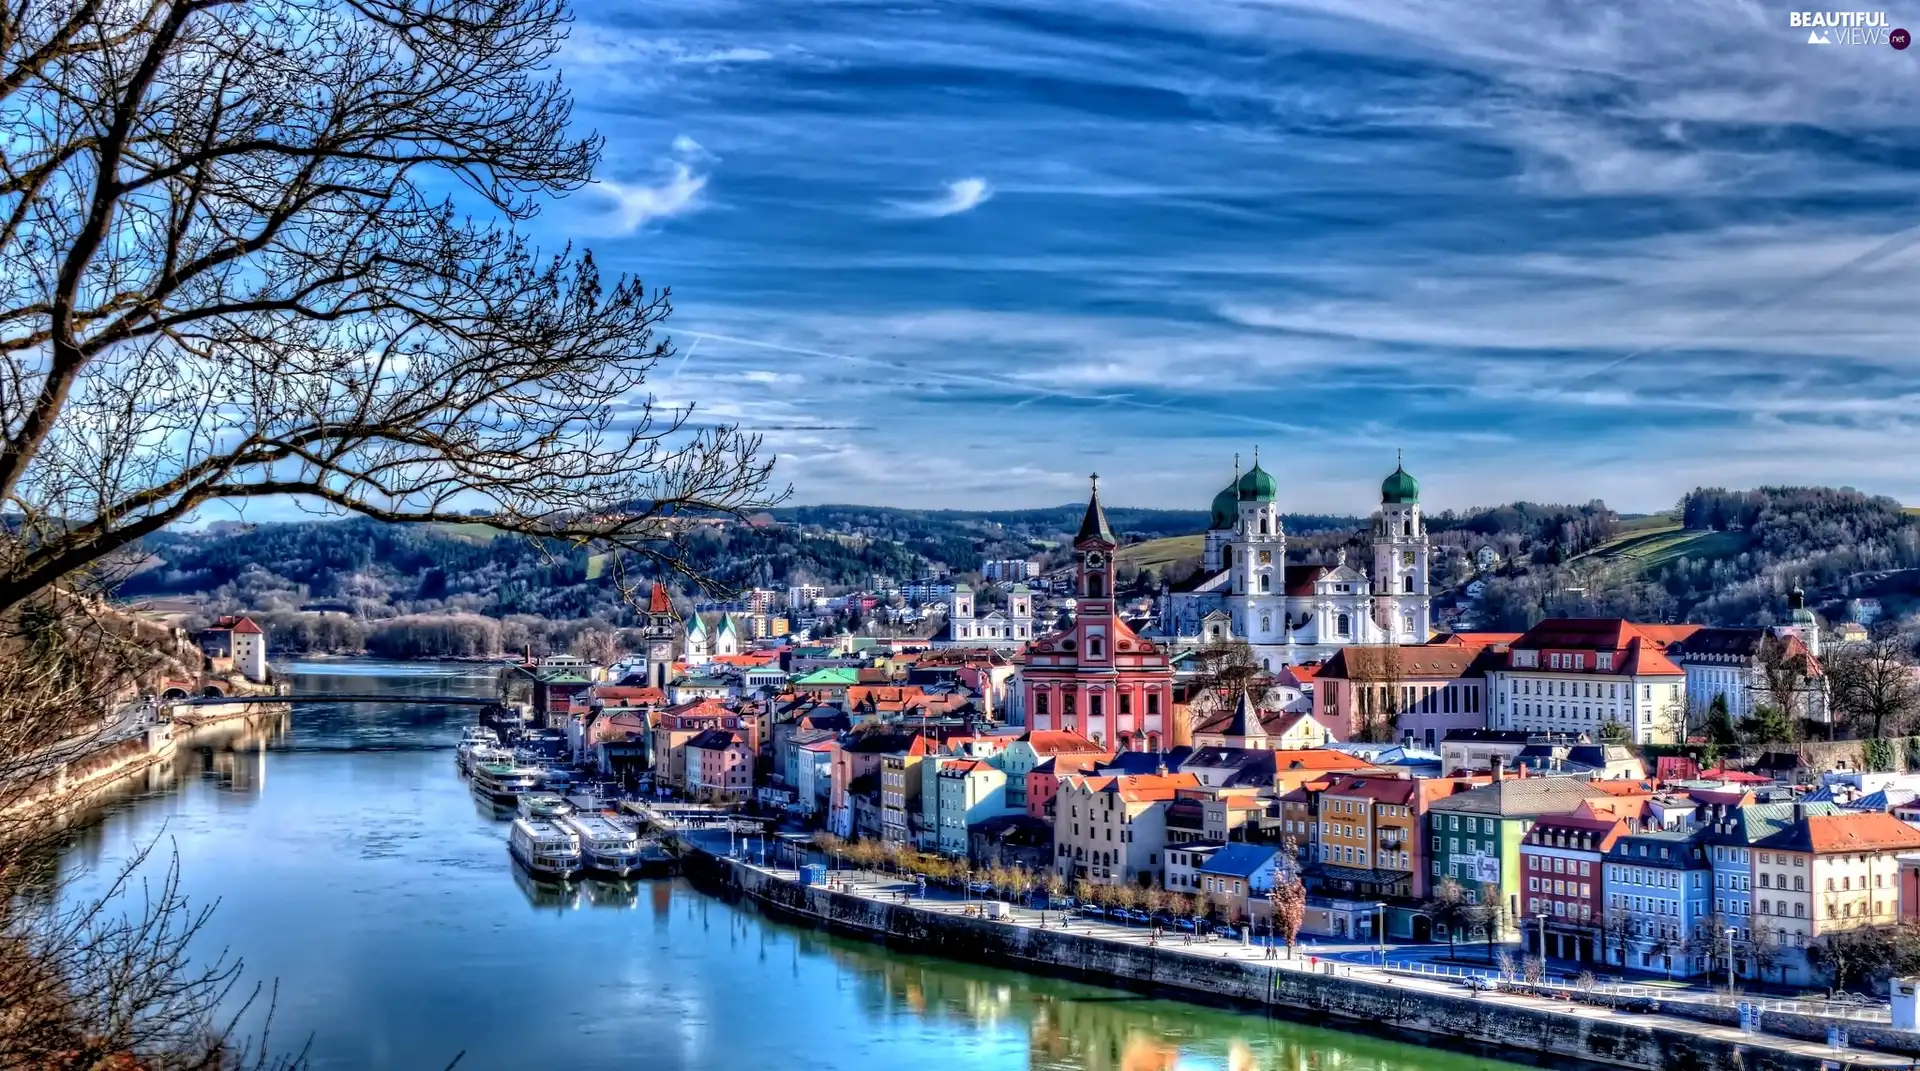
(78, 780)
(1413, 1008)
(194, 716)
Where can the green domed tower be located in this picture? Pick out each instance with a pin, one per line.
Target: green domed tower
(1400, 488)
(1226, 505)
(1257, 485)
(1400, 557)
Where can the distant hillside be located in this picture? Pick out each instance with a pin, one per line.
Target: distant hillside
(1723, 556)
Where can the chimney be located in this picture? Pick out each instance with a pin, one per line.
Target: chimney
(1499, 768)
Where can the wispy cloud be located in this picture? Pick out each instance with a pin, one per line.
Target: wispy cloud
(963, 195)
(632, 205)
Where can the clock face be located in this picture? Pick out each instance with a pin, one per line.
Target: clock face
(1095, 558)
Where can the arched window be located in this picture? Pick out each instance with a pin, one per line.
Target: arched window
(1407, 528)
(1266, 622)
(1153, 741)
(1266, 582)
(1096, 586)
(1226, 557)
(1040, 704)
(1263, 526)
(1343, 625)
(1094, 647)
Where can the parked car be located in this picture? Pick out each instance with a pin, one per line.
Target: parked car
(1183, 924)
(1116, 912)
(1062, 903)
(1227, 933)
(1091, 910)
(1476, 982)
(1137, 915)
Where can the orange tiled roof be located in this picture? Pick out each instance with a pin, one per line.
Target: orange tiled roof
(1061, 742)
(1872, 831)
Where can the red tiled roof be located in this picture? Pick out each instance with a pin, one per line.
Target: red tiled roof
(1061, 742)
(658, 602)
(1638, 650)
(1872, 831)
(242, 625)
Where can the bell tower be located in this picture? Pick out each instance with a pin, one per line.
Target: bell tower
(661, 627)
(1400, 558)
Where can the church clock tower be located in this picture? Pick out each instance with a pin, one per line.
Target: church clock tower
(1400, 559)
(660, 630)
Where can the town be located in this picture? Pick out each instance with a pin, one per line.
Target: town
(1299, 757)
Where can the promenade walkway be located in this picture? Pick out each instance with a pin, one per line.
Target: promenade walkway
(882, 888)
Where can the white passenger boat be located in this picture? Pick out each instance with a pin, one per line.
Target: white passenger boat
(609, 848)
(473, 739)
(545, 807)
(547, 849)
(502, 784)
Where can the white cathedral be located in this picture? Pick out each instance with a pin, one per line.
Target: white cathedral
(1291, 614)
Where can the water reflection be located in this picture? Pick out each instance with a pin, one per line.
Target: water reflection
(231, 755)
(1081, 1028)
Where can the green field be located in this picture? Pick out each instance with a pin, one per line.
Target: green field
(1647, 543)
(1160, 553)
(473, 532)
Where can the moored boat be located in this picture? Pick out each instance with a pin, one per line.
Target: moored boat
(607, 847)
(546, 807)
(502, 784)
(474, 739)
(547, 849)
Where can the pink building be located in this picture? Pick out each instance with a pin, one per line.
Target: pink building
(1414, 693)
(719, 761)
(1098, 678)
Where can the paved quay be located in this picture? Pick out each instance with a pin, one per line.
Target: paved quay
(881, 890)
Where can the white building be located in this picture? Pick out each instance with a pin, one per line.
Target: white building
(1726, 664)
(1011, 627)
(803, 596)
(1577, 675)
(1299, 613)
(1007, 570)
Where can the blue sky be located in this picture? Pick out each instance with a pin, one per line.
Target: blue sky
(961, 254)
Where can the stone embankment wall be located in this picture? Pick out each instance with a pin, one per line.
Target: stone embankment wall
(1487, 1025)
(208, 713)
(86, 775)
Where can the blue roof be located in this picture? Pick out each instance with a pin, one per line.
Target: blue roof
(1238, 860)
(1144, 762)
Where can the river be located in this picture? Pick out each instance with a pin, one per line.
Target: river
(351, 866)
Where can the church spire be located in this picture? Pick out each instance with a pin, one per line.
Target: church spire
(1094, 524)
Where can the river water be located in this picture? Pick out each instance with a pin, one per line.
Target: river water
(352, 867)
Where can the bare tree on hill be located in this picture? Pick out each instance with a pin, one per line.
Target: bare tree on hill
(227, 273)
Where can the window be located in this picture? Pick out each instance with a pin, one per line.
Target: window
(1343, 625)
(1266, 582)
(1408, 584)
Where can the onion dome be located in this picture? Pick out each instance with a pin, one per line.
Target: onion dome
(1226, 506)
(1257, 485)
(1399, 488)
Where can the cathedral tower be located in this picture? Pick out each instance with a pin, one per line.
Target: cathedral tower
(1400, 559)
(1221, 522)
(1259, 551)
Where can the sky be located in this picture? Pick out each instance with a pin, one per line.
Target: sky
(963, 254)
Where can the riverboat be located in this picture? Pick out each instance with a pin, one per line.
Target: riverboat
(502, 784)
(548, 850)
(610, 849)
(544, 807)
(473, 739)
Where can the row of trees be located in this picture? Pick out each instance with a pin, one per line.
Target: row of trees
(1288, 895)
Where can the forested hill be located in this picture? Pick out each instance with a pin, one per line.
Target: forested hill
(1723, 557)
(1727, 557)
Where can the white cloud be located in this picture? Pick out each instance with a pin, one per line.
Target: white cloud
(963, 195)
(726, 55)
(632, 205)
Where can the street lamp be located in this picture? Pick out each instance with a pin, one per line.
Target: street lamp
(1541, 919)
(1380, 928)
(1730, 932)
